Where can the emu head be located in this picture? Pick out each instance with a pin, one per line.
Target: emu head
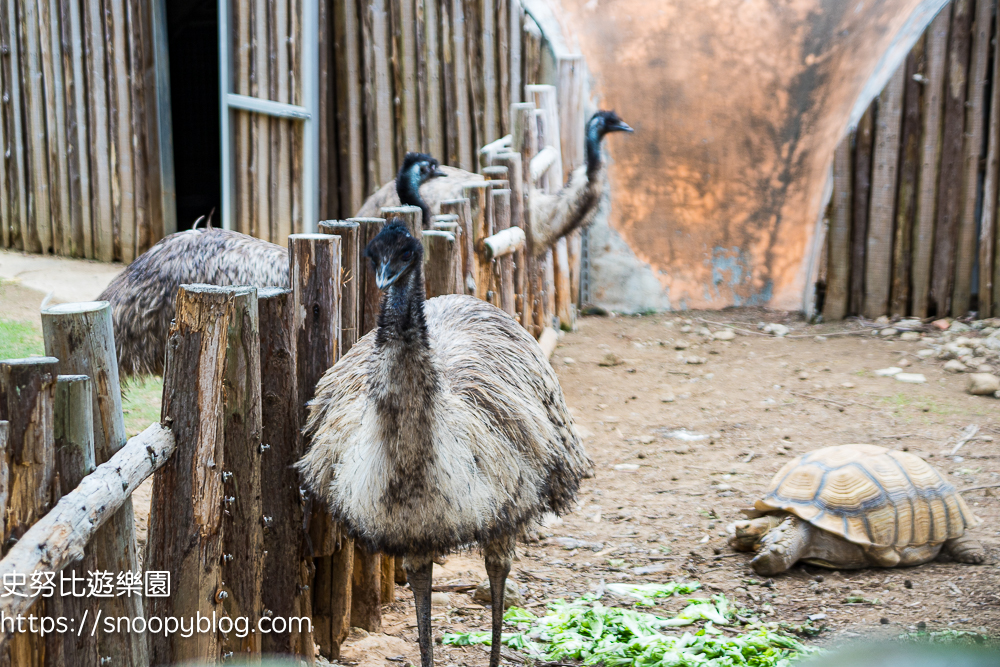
(604, 122)
(418, 168)
(393, 254)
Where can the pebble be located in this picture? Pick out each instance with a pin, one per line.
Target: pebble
(955, 366)
(911, 378)
(725, 334)
(696, 360)
(569, 361)
(847, 385)
(909, 324)
(511, 595)
(686, 328)
(681, 345)
(570, 543)
(682, 449)
(723, 487)
(627, 466)
(929, 352)
(649, 569)
(983, 384)
(888, 372)
(941, 324)
(816, 617)
(888, 331)
(903, 363)
(646, 439)
(611, 359)
(803, 375)
(667, 398)
(778, 330)
(909, 335)
(439, 599)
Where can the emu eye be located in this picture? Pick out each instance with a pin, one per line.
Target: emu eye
(407, 254)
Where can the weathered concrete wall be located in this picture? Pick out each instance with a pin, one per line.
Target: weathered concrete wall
(737, 105)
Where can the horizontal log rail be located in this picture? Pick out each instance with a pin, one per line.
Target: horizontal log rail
(504, 243)
(59, 538)
(542, 162)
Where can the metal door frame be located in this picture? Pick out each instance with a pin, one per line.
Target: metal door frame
(307, 114)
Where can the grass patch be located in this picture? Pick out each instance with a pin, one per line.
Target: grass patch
(141, 403)
(19, 339)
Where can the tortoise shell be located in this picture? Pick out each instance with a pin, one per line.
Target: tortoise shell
(871, 496)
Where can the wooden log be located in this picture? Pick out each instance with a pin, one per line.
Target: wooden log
(975, 119)
(244, 453)
(4, 474)
(369, 296)
(332, 590)
(260, 125)
(462, 209)
(474, 35)
(531, 58)
(383, 108)
(572, 75)
(478, 194)
(349, 233)
(329, 181)
(439, 263)
(449, 104)
(906, 200)
(504, 243)
(504, 266)
(989, 296)
(411, 216)
(839, 243)
(243, 136)
(949, 204)
(50, 53)
(286, 592)
(502, 23)
(77, 158)
(546, 100)
(121, 127)
(281, 85)
(488, 153)
(388, 593)
(366, 590)
(548, 274)
(564, 308)
(60, 538)
(429, 82)
(515, 183)
(930, 160)
(488, 73)
(81, 336)
(524, 142)
(99, 147)
(17, 192)
(878, 250)
(461, 111)
(407, 91)
(39, 238)
(862, 191)
(548, 341)
(147, 168)
(186, 511)
(349, 104)
(73, 430)
(493, 172)
(449, 223)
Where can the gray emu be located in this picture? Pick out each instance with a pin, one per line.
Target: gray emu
(142, 296)
(421, 182)
(443, 428)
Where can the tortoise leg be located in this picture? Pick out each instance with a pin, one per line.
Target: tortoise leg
(964, 549)
(782, 546)
(419, 573)
(498, 557)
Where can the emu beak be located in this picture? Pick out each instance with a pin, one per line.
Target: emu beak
(438, 173)
(623, 127)
(382, 278)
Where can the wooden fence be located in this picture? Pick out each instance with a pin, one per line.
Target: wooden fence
(912, 222)
(80, 128)
(241, 364)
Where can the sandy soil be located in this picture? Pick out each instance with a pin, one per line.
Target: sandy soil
(661, 503)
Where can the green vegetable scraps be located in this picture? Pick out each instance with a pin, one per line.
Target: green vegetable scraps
(588, 631)
(646, 594)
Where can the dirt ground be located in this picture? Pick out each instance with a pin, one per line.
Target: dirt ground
(662, 503)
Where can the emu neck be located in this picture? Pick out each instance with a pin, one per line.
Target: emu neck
(402, 378)
(593, 146)
(408, 191)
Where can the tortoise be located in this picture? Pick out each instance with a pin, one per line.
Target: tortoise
(854, 506)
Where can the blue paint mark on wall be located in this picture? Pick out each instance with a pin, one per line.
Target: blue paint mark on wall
(732, 272)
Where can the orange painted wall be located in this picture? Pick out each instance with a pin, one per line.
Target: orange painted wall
(737, 105)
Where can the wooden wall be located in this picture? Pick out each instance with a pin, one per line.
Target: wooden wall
(912, 221)
(80, 174)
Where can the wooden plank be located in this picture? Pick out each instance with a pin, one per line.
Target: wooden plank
(988, 293)
(930, 160)
(285, 593)
(27, 392)
(450, 154)
(279, 83)
(514, 31)
(433, 139)
(162, 203)
(50, 51)
(260, 86)
(73, 432)
(439, 265)
(479, 196)
(385, 169)
(120, 99)
(329, 160)
(366, 590)
(950, 192)
(7, 235)
(878, 250)
(501, 221)
(368, 293)
(975, 120)
(906, 201)
(348, 100)
(102, 211)
(410, 132)
(332, 598)
(240, 121)
(473, 12)
(81, 336)
(488, 74)
(572, 75)
(39, 238)
(863, 138)
(137, 34)
(532, 52)
(463, 113)
(839, 239)
(17, 164)
(349, 233)
(408, 215)
(502, 23)
(297, 129)
(462, 210)
(77, 136)
(524, 142)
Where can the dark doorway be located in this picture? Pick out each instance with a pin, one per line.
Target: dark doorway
(193, 40)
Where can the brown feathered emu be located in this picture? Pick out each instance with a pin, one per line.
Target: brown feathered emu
(422, 182)
(443, 428)
(142, 296)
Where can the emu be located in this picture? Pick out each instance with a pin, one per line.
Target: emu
(142, 296)
(443, 428)
(422, 182)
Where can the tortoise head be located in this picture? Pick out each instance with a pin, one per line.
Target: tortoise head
(746, 535)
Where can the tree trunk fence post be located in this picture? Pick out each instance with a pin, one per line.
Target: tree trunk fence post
(411, 216)
(462, 209)
(449, 223)
(350, 264)
(480, 202)
(81, 337)
(501, 221)
(439, 262)
(524, 142)
(515, 182)
(368, 293)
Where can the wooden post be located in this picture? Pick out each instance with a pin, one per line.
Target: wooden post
(515, 182)
(81, 336)
(348, 101)
(349, 233)
(439, 263)
(989, 296)
(27, 392)
(862, 190)
(930, 156)
(73, 432)
(369, 296)
(501, 221)
(4, 474)
(462, 209)
(186, 516)
(975, 117)
(835, 306)
(411, 216)
(449, 223)
(878, 251)
(495, 172)
(388, 575)
(366, 590)
(524, 142)
(480, 202)
(906, 200)
(244, 452)
(949, 204)
(286, 589)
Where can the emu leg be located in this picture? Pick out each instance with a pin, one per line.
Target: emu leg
(498, 559)
(418, 573)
